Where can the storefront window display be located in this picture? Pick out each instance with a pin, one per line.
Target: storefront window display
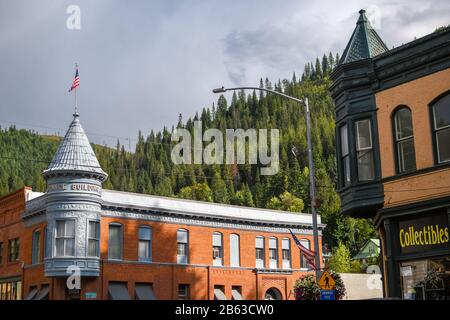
(426, 279)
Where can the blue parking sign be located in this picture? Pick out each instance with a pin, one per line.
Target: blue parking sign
(327, 295)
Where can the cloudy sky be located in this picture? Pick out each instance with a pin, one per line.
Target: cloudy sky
(144, 62)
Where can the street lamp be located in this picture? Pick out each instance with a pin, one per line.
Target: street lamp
(310, 161)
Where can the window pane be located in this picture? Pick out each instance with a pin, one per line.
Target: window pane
(273, 243)
(181, 250)
(443, 144)
(346, 163)
(182, 236)
(363, 135)
(403, 124)
(144, 250)
(366, 170)
(145, 233)
(442, 112)
(60, 247)
(36, 248)
(406, 155)
(259, 242)
(93, 248)
(234, 250)
(285, 244)
(344, 140)
(60, 225)
(69, 247)
(70, 228)
(93, 230)
(217, 239)
(115, 235)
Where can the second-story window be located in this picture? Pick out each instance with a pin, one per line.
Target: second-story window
(94, 239)
(235, 254)
(364, 150)
(286, 253)
(441, 128)
(182, 246)
(217, 249)
(303, 261)
(345, 156)
(65, 238)
(115, 242)
(260, 252)
(1, 252)
(13, 250)
(273, 253)
(404, 140)
(145, 244)
(36, 247)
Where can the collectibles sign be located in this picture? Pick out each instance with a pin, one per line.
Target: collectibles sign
(423, 234)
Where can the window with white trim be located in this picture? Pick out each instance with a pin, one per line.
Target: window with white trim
(145, 244)
(94, 239)
(364, 150)
(217, 251)
(235, 254)
(65, 238)
(182, 246)
(286, 253)
(345, 157)
(273, 253)
(259, 252)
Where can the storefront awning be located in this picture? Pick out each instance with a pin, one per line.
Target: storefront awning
(118, 291)
(236, 295)
(144, 292)
(43, 294)
(219, 295)
(32, 294)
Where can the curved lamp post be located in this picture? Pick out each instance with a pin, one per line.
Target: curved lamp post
(312, 185)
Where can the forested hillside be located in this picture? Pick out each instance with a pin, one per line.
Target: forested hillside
(24, 154)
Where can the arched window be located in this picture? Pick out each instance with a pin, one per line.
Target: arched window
(286, 253)
(441, 128)
(404, 140)
(145, 244)
(182, 246)
(273, 253)
(303, 261)
(217, 249)
(259, 251)
(235, 254)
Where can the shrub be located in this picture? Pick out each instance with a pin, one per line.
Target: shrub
(306, 287)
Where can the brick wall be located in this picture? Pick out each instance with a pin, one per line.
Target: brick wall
(417, 95)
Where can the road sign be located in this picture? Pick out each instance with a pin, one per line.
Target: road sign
(326, 281)
(327, 295)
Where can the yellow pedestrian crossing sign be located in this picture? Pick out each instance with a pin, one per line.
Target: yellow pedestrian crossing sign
(326, 281)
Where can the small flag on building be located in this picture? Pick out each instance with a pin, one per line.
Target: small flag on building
(76, 80)
(308, 254)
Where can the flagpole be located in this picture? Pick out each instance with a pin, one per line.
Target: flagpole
(76, 109)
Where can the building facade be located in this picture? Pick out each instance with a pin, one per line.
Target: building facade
(393, 151)
(135, 246)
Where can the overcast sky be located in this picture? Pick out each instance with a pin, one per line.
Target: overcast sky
(142, 63)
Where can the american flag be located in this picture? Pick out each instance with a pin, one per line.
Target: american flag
(309, 255)
(76, 80)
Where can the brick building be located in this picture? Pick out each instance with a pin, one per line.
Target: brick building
(393, 151)
(136, 246)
